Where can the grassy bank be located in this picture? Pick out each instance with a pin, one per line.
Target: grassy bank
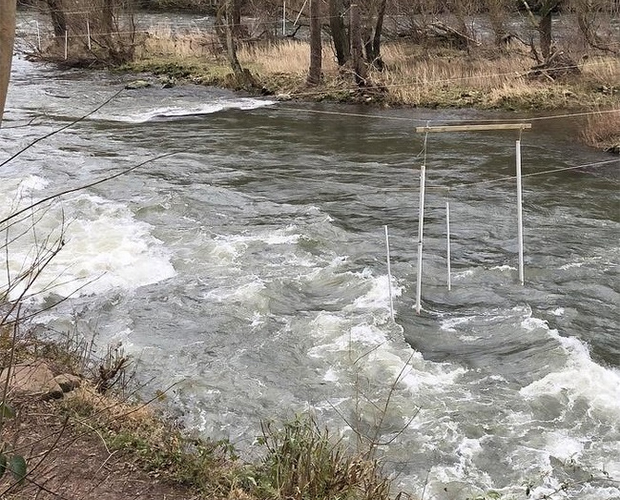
(413, 76)
(484, 78)
(97, 442)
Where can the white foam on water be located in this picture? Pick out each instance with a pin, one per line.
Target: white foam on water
(227, 249)
(581, 378)
(331, 375)
(571, 265)
(561, 445)
(257, 320)
(450, 324)
(504, 267)
(378, 296)
(104, 247)
(247, 293)
(467, 450)
(459, 275)
(172, 112)
(361, 334)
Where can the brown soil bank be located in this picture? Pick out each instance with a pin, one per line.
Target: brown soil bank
(70, 441)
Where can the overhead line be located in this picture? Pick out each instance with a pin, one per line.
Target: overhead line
(447, 120)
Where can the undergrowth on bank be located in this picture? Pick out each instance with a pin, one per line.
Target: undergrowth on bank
(299, 460)
(413, 75)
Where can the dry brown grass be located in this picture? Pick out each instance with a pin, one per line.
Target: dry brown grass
(162, 40)
(602, 131)
(414, 76)
(289, 56)
(604, 71)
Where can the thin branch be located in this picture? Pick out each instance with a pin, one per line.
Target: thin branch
(92, 184)
(54, 132)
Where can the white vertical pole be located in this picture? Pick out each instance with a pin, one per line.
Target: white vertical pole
(448, 257)
(418, 302)
(88, 33)
(66, 44)
(283, 17)
(389, 271)
(38, 36)
(520, 212)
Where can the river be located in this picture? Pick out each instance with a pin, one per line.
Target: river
(249, 268)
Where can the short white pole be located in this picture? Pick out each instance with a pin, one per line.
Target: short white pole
(66, 44)
(389, 272)
(88, 33)
(418, 302)
(448, 257)
(283, 17)
(38, 36)
(520, 212)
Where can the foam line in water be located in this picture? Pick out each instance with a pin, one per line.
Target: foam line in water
(178, 112)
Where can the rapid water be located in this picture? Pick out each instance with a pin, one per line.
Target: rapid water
(250, 269)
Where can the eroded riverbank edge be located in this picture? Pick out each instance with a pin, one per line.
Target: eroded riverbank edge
(599, 131)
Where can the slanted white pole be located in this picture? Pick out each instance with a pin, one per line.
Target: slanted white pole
(418, 302)
(283, 17)
(38, 36)
(520, 212)
(88, 33)
(448, 244)
(66, 44)
(389, 271)
(300, 12)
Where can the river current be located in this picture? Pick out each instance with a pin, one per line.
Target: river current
(249, 269)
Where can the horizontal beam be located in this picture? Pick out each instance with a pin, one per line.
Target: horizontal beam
(475, 128)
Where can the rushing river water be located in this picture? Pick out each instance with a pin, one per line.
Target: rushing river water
(250, 269)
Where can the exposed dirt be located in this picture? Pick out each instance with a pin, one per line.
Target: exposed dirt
(71, 462)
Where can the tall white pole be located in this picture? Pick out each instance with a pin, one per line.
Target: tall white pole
(88, 33)
(448, 257)
(520, 212)
(389, 271)
(38, 36)
(66, 44)
(418, 302)
(283, 17)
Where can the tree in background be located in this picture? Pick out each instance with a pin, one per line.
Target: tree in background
(59, 21)
(100, 31)
(227, 31)
(340, 35)
(498, 12)
(7, 37)
(545, 9)
(373, 14)
(316, 49)
(593, 19)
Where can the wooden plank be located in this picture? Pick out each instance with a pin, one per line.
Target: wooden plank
(475, 128)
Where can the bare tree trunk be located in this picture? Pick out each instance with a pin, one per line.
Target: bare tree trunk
(59, 21)
(231, 46)
(7, 37)
(357, 58)
(316, 50)
(498, 12)
(544, 30)
(107, 16)
(243, 78)
(339, 32)
(376, 60)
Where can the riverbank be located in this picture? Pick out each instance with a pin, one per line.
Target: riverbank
(78, 438)
(414, 77)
